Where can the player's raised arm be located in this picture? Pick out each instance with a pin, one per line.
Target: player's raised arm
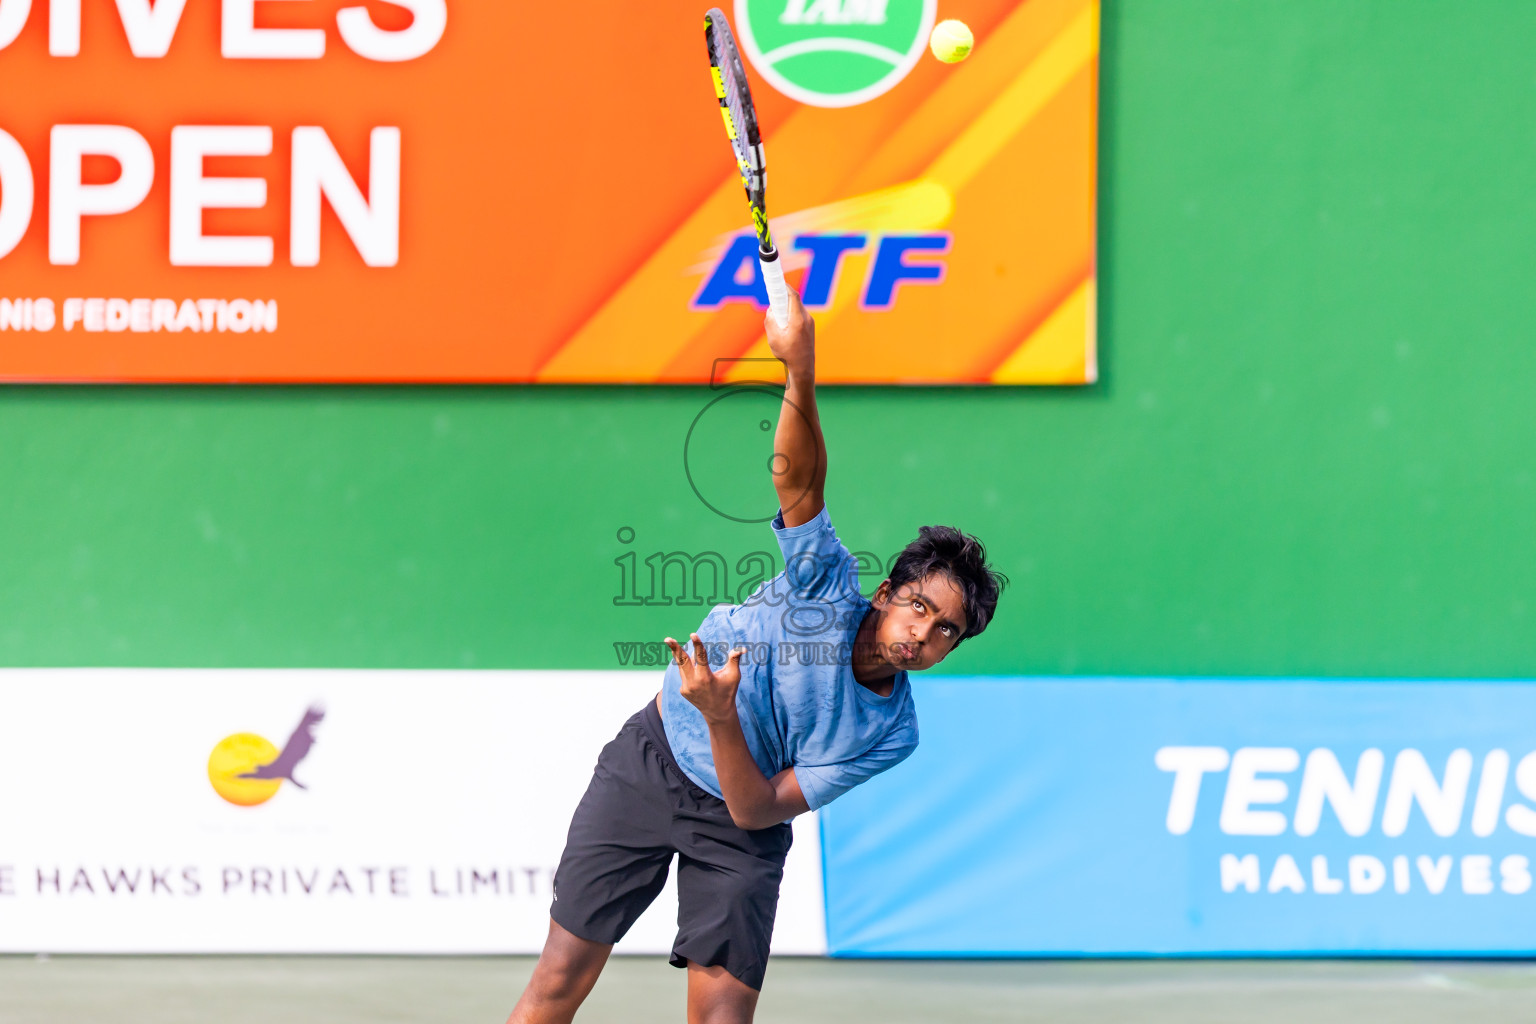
(799, 452)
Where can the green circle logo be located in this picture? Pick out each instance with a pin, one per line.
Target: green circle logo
(834, 53)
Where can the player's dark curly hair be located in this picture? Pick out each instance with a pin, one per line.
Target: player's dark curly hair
(960, 557)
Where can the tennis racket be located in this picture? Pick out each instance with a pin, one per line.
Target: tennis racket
(740, 117)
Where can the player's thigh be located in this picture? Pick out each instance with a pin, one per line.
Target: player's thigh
(728, 897)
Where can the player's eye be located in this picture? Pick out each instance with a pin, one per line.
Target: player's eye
(918, 605)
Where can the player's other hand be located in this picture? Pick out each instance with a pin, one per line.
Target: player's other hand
(713, 693)
(795, 342)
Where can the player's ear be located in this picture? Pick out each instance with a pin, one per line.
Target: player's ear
(882, 595)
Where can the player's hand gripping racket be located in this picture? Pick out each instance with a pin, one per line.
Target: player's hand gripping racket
(740, 116)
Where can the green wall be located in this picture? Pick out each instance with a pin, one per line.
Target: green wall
(1310, 453)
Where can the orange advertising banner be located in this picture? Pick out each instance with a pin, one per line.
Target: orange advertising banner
(491, 191)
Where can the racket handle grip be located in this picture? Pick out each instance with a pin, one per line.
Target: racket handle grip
(778, 288)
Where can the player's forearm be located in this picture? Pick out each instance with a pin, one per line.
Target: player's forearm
(799, 432)
(800, 451)
(749, 795)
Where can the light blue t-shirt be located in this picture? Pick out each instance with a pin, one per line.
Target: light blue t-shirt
(799, 703)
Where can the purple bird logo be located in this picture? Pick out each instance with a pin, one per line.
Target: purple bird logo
(246, 769)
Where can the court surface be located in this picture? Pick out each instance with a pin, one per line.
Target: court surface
(636, 990)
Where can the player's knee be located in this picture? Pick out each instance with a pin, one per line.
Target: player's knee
(716, 997)
(566, 973)
(561, 981)
(733, 1012)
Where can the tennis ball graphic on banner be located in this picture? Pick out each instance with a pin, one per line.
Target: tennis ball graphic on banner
(834, 53)
(951, 41)
(233, 759)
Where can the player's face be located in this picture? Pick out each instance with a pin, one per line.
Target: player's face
(921, 622)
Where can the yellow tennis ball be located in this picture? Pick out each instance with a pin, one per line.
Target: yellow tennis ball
(951, 41)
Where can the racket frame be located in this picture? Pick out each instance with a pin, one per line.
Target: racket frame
(737, 110)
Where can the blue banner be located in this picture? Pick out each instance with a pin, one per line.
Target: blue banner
(1104, 817)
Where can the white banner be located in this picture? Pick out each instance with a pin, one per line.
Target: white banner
(299, 811)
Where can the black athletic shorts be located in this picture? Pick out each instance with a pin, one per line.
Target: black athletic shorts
(640, 810)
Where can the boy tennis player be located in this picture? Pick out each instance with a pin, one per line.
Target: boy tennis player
(776, 706)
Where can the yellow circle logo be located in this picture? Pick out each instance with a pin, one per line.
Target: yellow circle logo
(237, 755)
